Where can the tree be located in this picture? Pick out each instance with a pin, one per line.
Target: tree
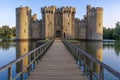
(5, 31)
(116, 33)
(14, 31)
(108, 33)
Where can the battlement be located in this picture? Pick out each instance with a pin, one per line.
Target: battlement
(22, 9)
(90, 8)
(63, 9)
(68, 9)
(48, 9)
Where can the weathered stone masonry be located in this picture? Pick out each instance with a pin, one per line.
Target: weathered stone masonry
(59, 23)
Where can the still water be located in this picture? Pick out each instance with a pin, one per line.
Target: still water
(10, 51)
(108, 53)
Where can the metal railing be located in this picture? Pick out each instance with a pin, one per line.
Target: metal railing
(36, 55)
(77, 52)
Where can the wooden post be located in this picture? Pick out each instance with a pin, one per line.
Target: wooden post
(29, 68)
(91, 67)
(10, 73)
(21, 75)
(37, 56)
(80, 64)
(101, 73)
(34, 54)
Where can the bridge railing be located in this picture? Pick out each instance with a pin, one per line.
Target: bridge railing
(77, 52)
(36, 54)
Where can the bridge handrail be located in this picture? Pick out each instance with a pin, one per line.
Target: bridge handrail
(93, 59)
(8, 66)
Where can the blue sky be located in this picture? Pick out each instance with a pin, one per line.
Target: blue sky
(111, 9)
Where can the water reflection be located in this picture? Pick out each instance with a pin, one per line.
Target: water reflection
(5, 45)
(95, 49)
(23, 47)
(115, 46)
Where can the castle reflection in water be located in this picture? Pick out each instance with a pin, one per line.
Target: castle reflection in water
(23, 47)
(94, 48)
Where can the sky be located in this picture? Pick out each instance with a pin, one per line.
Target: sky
(111, 12)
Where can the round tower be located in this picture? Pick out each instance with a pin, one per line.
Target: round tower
(94, 23)
(23, 18)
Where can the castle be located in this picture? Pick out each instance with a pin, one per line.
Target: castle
(59, 23)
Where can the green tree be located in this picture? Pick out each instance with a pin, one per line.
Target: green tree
(116, 33)
(108, 33)
(5, 31)
(13, 31)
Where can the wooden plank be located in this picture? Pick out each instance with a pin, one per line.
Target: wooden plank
(57, 64)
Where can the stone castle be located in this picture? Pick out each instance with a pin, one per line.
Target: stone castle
(59, 23)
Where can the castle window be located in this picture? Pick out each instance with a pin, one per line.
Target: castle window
(58, 23)
(24, 31)
(68, 23)
(25, 23)
(99, 24)
(25, 49)
(51, 11)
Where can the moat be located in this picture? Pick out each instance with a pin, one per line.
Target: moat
(108, 53)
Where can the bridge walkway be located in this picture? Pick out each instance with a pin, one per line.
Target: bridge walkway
(57, 64)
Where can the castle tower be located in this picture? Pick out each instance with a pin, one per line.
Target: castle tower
(58, 23)
(68, 16)
(48, 15)
(23, 19)
(94, 23)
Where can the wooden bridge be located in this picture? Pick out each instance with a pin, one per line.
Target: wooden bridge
(56, 63)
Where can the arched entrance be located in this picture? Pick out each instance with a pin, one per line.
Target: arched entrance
(58, 34)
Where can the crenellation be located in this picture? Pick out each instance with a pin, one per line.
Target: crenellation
(89, 7)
